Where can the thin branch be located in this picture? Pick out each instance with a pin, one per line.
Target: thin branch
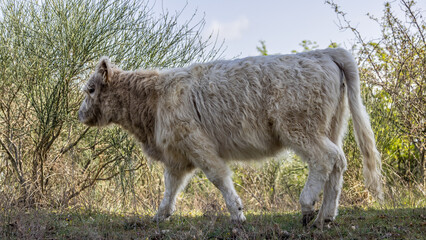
(14, 163)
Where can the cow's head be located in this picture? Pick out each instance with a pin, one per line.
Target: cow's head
(101, 104)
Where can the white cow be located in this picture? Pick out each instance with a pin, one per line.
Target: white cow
(205, 115)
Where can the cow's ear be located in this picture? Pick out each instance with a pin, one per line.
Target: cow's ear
(105, 69)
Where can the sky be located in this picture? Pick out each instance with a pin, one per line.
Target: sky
(283, 25)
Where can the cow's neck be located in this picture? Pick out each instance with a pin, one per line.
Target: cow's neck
(141, 109)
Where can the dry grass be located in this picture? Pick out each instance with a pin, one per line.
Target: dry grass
(353, 223)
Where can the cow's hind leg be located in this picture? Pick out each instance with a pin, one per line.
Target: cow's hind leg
(332, 190)
(175, 180)
(333, 185)
(321, 157)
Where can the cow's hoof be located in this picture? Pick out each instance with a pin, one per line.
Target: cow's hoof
(161, 218)
(319, 224)
(238, 219)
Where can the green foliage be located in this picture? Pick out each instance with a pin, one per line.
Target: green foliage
(333, 45)
(262, 48)
(307, 45)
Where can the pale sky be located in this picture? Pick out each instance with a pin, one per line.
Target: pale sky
(281, 24)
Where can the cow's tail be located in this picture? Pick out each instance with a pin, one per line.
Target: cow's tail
(363, 133)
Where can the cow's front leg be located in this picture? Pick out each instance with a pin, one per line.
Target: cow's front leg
(202, 153)
(175, 181)
(221, 178)
(218, 172)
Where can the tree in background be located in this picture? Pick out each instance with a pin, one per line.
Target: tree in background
(47, 49)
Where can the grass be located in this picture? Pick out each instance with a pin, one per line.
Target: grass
(352, 223)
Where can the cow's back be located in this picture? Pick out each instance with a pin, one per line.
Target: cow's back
(244, 106)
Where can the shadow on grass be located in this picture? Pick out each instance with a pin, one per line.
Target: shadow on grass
(352, 223)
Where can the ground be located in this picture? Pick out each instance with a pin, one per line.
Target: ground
(352, 223)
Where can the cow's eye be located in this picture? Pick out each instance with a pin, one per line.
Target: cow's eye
(91, 90)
